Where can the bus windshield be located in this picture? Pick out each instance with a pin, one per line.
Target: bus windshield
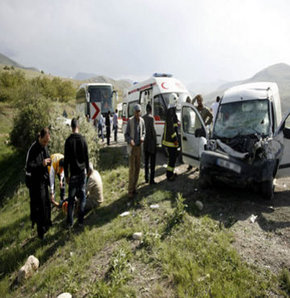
(102, 94)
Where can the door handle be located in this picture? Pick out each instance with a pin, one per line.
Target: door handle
(184, 138)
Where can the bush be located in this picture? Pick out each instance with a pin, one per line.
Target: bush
(30, 119)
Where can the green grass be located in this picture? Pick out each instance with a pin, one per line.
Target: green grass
(182, 254)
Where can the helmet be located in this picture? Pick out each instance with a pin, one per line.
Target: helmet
(172, 100)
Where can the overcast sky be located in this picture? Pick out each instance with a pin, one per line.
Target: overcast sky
(196, 40)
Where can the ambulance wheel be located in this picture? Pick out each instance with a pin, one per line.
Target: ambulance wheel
(267, 189)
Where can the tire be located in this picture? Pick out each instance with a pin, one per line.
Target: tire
(267, 189)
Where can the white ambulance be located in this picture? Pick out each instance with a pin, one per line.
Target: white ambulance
(156, 91)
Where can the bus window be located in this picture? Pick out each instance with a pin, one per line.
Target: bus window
(159, 109)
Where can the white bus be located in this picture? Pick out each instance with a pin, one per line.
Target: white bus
(96, 98)
(156, 91)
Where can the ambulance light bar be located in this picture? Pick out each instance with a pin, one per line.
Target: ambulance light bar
(162, 75)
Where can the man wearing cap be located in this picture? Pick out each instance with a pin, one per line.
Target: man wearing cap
(134, 136)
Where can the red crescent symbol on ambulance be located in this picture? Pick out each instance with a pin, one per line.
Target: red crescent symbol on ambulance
(163, 85)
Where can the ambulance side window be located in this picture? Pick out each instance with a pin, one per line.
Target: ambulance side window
(145, 97)
(159, 108)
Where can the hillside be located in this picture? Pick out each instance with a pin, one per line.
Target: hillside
(279, 73)
(5, 61)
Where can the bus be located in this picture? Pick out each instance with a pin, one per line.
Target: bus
(156, 91)
(94, 99)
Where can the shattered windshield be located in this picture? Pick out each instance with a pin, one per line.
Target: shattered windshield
(242, 118)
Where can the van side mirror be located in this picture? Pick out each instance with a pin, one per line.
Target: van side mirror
(200, 132)
(286, 132)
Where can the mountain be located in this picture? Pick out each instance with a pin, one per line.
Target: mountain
(84, 76)
(279, 73)
(4, 60)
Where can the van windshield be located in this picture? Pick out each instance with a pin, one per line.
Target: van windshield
(242, 118)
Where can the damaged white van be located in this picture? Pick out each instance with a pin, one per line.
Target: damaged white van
(249, 144)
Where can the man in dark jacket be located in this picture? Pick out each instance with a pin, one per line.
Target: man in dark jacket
(76, 167)
(149, 145)
(170, 136)
(37, 180)
(108, 127)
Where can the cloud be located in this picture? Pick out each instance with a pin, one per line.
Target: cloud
(194, 40)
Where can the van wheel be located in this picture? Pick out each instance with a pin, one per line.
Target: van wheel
(267, 189)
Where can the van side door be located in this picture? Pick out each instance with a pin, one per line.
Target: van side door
(193, 134)
(283, 134)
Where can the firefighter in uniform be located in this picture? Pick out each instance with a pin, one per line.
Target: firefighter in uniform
(56, 169)
(170, 136)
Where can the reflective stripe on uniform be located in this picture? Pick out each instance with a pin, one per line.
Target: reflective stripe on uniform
(175, 125)
(173, 135)
(169, 144)
(170, 169)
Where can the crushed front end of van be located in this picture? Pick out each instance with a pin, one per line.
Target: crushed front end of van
(242, 151)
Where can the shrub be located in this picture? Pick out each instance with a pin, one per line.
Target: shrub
(30, 119)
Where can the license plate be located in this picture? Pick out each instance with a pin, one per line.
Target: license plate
(229, 165)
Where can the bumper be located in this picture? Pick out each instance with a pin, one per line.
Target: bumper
(231, 170)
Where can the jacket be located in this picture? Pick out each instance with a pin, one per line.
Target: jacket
(34, 168)
(129, 134)
(150, 136)
(170, 136)
(54, 169)
(76, 157)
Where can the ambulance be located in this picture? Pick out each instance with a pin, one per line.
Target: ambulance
(156, 91)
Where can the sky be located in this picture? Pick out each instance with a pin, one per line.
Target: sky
(195, 40)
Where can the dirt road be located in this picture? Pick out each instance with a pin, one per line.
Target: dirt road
(261, 228)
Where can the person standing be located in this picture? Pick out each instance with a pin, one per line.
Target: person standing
(100, 127)
(76, 167)
(37, 180)
(108, 127)
(205, 113)
(149, 145)
(214, 107)
(170, 136)
(115, 124)
(134, 136)
(56, 169)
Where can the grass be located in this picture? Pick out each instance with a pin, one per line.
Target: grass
(181, 254)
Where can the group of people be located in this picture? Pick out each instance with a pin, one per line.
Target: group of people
(108, 121)
(73, 168)
(141, 130)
